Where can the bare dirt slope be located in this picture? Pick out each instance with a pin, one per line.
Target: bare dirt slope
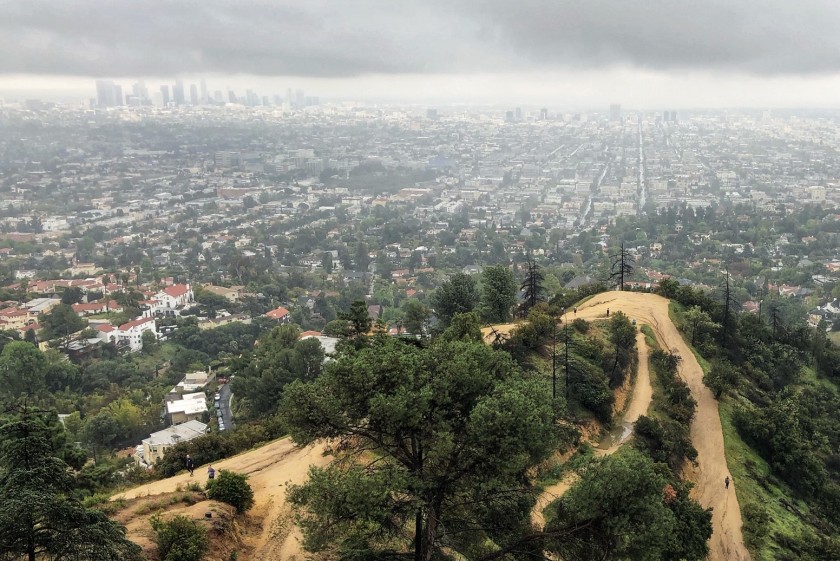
(727, 542)
(270, 468)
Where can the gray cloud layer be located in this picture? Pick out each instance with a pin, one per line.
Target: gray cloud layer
(342, 38)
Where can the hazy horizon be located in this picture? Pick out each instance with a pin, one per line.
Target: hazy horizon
(650, 54)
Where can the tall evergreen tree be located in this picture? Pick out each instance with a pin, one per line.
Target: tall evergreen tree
(39, 517)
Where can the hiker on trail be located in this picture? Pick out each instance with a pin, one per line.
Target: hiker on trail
(608, 312)
(726, 482)
(575, 310)
(211, 473)
(190, 465)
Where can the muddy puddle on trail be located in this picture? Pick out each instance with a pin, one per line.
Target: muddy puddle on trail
(617, 436)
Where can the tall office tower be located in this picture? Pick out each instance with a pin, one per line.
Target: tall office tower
(118, 96)
(290, 102)
(231, 96)
(164, 93)
(518, 113)
(105, 93)
(509, 117)
(193, 94)
(140, 91)
(432, 114)
(615, 112)
(178, 92)
(204, 95)
(218, 97)
(300, 99)
(543, 114)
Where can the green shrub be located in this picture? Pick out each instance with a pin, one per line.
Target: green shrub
(180, 539)
(231, 488)
(756, 521)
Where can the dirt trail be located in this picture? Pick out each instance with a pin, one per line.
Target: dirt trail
(727, 542)
(639, 403)
(270, 468)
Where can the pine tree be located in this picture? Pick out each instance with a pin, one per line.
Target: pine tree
(40, 519)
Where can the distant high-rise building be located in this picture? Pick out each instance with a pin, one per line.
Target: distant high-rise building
(118, 95)
(204, 95)
(105, 93)
(178, 92)
(543, 114)
(194, 94)
(615, 112)
(164, 92)
(432, 114)
(509, 117)
(251, 98)
(518, 113)
(140, 91)
(300, 99)
(290, 101)
(231, 96)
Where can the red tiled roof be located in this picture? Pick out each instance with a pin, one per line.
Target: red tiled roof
(135, 323)
(176, 290)
(277, 313)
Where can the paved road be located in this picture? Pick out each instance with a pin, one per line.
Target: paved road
(224, 406)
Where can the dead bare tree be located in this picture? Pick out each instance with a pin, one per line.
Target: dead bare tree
(621, 267)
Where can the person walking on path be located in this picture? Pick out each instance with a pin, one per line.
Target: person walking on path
(575, 310)
(608, 312)
(190, 465)
(211, 473)
(726, 482)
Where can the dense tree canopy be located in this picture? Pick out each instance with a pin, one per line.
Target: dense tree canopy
(452, 427)
(39, 517)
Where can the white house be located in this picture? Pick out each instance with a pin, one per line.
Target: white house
(155, 447)
(130, 334)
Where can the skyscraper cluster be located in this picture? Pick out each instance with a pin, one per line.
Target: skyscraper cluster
(110, 94)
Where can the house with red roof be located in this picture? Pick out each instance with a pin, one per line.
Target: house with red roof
(280, 314)
(169, 301)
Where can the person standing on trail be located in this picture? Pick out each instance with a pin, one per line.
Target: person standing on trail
(211, 473)
(726, 482)
(575, 310)
(608, 312)
(190, 465)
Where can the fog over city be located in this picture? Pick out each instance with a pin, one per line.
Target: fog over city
(694, 54)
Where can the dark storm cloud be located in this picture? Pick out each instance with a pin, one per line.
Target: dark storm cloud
(353, 37)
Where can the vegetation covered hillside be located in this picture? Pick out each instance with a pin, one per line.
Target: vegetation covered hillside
(777, 380)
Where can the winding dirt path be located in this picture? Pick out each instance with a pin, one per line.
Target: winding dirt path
(727, 542)
(270, 469)
(639, 403)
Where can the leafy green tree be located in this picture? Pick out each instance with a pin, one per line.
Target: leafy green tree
(623, 353)
(357, 318)
(150, 342)
(415, 316)
(439, 439)
(231, 488)
(101, 431)
(458, 295)
(180, 538)
(698, 323)
(622, 508)
(498, 294)
(40, 518)
(61, 321)
(721, 377)
(71, 295)
(23, 370)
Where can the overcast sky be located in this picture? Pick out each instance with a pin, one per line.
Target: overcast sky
(641, 53)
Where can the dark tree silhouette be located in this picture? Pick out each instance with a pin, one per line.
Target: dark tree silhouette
(532, 285)
(621, 267)
(729, 307)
